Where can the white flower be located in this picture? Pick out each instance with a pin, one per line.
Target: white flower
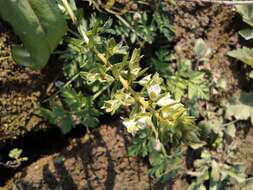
(131, 126)
(166, 100)
(142, 122)
(154, 91)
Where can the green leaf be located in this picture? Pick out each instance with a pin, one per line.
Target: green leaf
(232, 172)
(247, 34)
(247, 13)
(72, 98)
(15, 153)
(198, 86)
(187, 79)
(134, 65)
(243, 54)
(242, 108)
(163, 22)
(40, 26)
(57, 116)
(177, 86)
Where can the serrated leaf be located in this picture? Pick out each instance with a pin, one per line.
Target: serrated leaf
(58, 116)
(40, 26)
(198, 87)
(239, 177)
(163, 23)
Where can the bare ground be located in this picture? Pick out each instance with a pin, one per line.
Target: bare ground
(102, 162)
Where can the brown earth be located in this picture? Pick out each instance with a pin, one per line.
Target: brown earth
(100, 163)
(244, 141)
(20, 90)
(217, 26)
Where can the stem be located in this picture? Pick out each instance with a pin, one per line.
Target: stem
(74, 20)
(229, 123)
(71, 80)
(100, 92)
(84, 36)
(11, 164)
(70, 11)
(64, 86)
(225, 2)
(138, 100)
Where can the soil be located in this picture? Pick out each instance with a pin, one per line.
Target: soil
(102, 162)
(217, 26)
(99, 163)
(21, 89)
(245, 152)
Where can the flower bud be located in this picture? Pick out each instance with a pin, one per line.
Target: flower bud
(131, 126)
(157, 145)
(142, 122)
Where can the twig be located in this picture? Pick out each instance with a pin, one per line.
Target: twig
(225, 2)
(229, 123)
(11, 164)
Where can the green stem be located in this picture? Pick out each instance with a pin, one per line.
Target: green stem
(68, 83)
(74, 20)
(70, 11)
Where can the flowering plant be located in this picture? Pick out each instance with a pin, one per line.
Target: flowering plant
(104, 78)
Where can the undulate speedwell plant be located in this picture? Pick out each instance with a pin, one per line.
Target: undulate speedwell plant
(104, 78)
